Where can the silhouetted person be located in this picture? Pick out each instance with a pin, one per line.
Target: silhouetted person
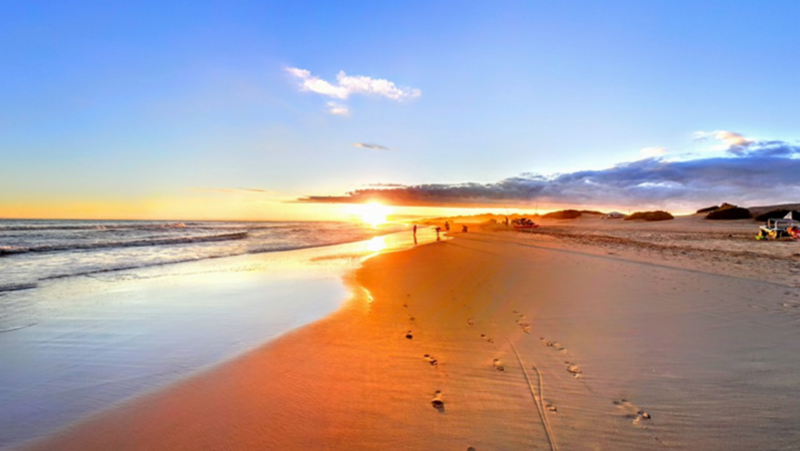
(438, 229)
(447, 226)
(415, 234)
(464, 228)
(506, 221)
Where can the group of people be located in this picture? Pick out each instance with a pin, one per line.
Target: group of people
(464, 229)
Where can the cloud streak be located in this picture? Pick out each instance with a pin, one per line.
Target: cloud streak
(371, 146)
(766, 172)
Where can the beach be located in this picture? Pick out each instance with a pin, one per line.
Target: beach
(412, 226)
(495, 340)
(75, 346)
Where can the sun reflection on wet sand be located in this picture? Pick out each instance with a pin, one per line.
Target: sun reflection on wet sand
(376, 244)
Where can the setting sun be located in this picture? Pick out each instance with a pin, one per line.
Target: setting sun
(373, 213)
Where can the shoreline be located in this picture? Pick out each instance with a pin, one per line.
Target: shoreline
(353, 380)
(18, 286)
(112, 339)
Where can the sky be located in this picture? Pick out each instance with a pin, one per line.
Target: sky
(292, 110)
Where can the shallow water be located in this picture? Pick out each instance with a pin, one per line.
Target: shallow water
(34, 251)
(91, 342)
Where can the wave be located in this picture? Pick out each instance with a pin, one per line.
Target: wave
(17, 287)
(91, 272)
(149, 226)
(11, 250)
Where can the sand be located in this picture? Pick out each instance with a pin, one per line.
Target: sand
(498, 341)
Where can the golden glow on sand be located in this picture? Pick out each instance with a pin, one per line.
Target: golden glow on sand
(376, 244)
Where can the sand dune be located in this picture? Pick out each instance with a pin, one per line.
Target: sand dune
(497, 341)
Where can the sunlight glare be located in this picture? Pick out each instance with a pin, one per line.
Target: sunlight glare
(376, 244)
(373, 214)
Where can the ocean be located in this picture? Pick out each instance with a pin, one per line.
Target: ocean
(32, 251)
(93, 313)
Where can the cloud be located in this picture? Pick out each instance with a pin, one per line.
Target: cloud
(371, 146)
(315, 84)
(767, 173)
(380, 87)
(731, 141)
(347, 85)
(650, 152)
(338, 109)
(386, 185)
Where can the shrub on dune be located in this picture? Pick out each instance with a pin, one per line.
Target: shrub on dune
(707, 209)
(563, 214)
(657, 215)
(728, 211)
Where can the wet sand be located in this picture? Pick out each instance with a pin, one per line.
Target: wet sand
(495, 340)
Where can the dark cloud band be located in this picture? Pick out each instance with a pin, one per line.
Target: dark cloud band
(761, 172)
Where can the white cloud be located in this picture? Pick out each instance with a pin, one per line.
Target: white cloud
(318, 85)
(650, 152)
(728, 138)
(371, 146)
(347, 85)
(337, 109)
(381, 87)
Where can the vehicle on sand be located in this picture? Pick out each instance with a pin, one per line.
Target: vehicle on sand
(779, 229)
(524, 224)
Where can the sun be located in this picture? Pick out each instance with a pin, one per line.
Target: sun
(372, 213)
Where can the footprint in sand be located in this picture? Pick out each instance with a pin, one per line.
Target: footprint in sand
(490, 340)
(471, 322)
(525, 327)
(574, 369)
(412, 318)
(498, 365)
(409, 335)
(428, 358)
(551, 407)
(631, 411)
(437, 402)
(553, 344)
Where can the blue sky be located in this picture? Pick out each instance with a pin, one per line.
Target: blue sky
(106, 105)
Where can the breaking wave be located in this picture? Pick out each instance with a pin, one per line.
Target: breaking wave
(10, 250)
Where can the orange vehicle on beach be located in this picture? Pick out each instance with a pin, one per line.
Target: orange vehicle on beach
(524, 224)
(779, 229)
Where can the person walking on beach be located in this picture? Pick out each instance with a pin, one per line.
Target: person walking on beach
(446, 226)
(415, 234)
(438, 229)
(464, 228)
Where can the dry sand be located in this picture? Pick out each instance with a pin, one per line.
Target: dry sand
(571, 338)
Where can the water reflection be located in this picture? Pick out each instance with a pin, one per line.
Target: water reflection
(376, 244)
